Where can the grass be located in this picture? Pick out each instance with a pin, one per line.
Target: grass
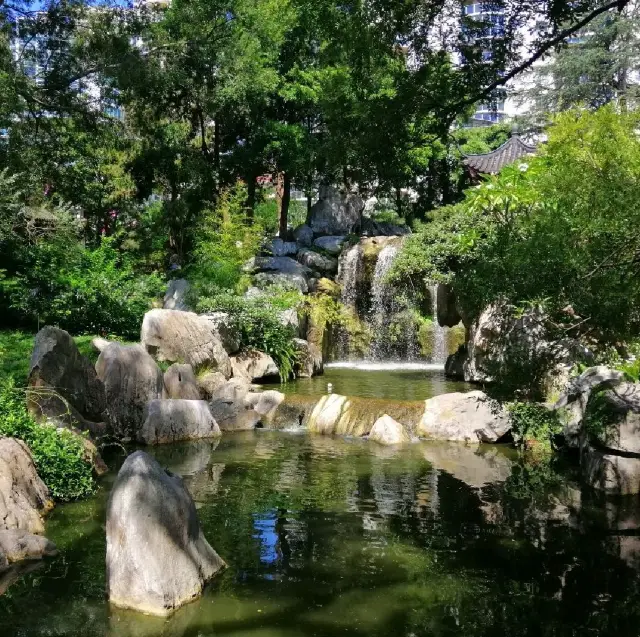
(16, 347)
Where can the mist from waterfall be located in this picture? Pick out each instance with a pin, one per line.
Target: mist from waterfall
(440, 348)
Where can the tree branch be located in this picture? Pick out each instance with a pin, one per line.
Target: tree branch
(563, 35)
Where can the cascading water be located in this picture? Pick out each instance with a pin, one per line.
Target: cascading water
(440, 353)
(349, 271)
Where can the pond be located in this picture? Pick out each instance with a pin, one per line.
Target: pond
(327, 536)
(401, 381)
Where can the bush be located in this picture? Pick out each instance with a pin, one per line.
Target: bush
(83, 291)
(58, 453)
(259, 323)
(533, 423)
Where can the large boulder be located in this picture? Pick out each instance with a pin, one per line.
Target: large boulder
(317, 261)
(24, 498)
(227, 330)
(278, 265)
(181, 382)
(235, 407)
(620, 407)
(157, 556)
(335, 212)
(209, 382)
(387, 431)
(131, 379)
(184, 337)
(63, 385)
(303, 235)
(447, 310)
(175, 297)
(332, 244)
(573, 401)
(309, 359)
(253, 365)
(175, 420)
(469, 417)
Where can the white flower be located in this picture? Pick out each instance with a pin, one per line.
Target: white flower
(523, 167)
(238, 244)
(489, 186)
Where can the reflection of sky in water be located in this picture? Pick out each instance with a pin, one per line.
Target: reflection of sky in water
(265, 531)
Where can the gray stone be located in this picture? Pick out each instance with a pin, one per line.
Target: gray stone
(209, 382)
(234, 415)
(287, 281)
(622, 430)
(157, 556)
(317, 261)
(18, 545)
(99, 344)
(303, 235)
(333, 244)
(309, 361)
(131, 379)
(280, 248)
(265, 403)
(175, 297)
(184, 337)
(278, 265)
(24, 498)
(234, 389)
(63, 384)
(448, 315)
(387, 431)
(335, 212)
(175, 420)
(227, 330)
(469, 417)
(181, 382)
(616, 475)
(253, 365)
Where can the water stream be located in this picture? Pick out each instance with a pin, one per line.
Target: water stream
(440, 347)
(327, 536)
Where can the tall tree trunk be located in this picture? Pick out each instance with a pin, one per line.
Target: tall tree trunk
(216, 151)
(283, 197)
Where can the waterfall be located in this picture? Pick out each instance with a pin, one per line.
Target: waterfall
(349, 273)
(440, 350)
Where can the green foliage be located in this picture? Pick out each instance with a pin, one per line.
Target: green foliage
(533, 423)
(58, 454)
(84, 291)
(225, 241)
(260, 325)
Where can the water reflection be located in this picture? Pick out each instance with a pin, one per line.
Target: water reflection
(331, 536)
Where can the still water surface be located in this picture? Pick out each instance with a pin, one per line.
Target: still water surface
(328, 537)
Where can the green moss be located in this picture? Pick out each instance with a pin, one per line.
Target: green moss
(456, 336)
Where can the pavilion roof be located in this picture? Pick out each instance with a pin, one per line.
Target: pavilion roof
(492, 163)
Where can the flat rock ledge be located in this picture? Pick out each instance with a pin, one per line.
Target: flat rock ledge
(157, 556)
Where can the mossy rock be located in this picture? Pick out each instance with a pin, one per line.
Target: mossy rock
(328, 287)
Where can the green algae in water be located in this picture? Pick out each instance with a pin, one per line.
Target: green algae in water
(328, 536)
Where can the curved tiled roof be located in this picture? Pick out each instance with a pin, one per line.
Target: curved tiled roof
(491, 163)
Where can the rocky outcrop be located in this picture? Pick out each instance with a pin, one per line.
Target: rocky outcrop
(318, 262)
(157, 556)
(175, 297)
(309, 359)
(621, 431)
(265, 404)
(609, 472)
(335, 212)
(278, 265)
(181, 382)
(174, 420)
(447, 310)
(280, 279)
(226, 329)
(63, 386)
(468, 417)
(24, 498)
(131, 379)
(332, 244)
(184, 337)
(253, 365)
(387, 431)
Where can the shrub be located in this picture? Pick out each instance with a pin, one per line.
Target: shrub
(259, 323)
(533, 422)
(57, 453)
